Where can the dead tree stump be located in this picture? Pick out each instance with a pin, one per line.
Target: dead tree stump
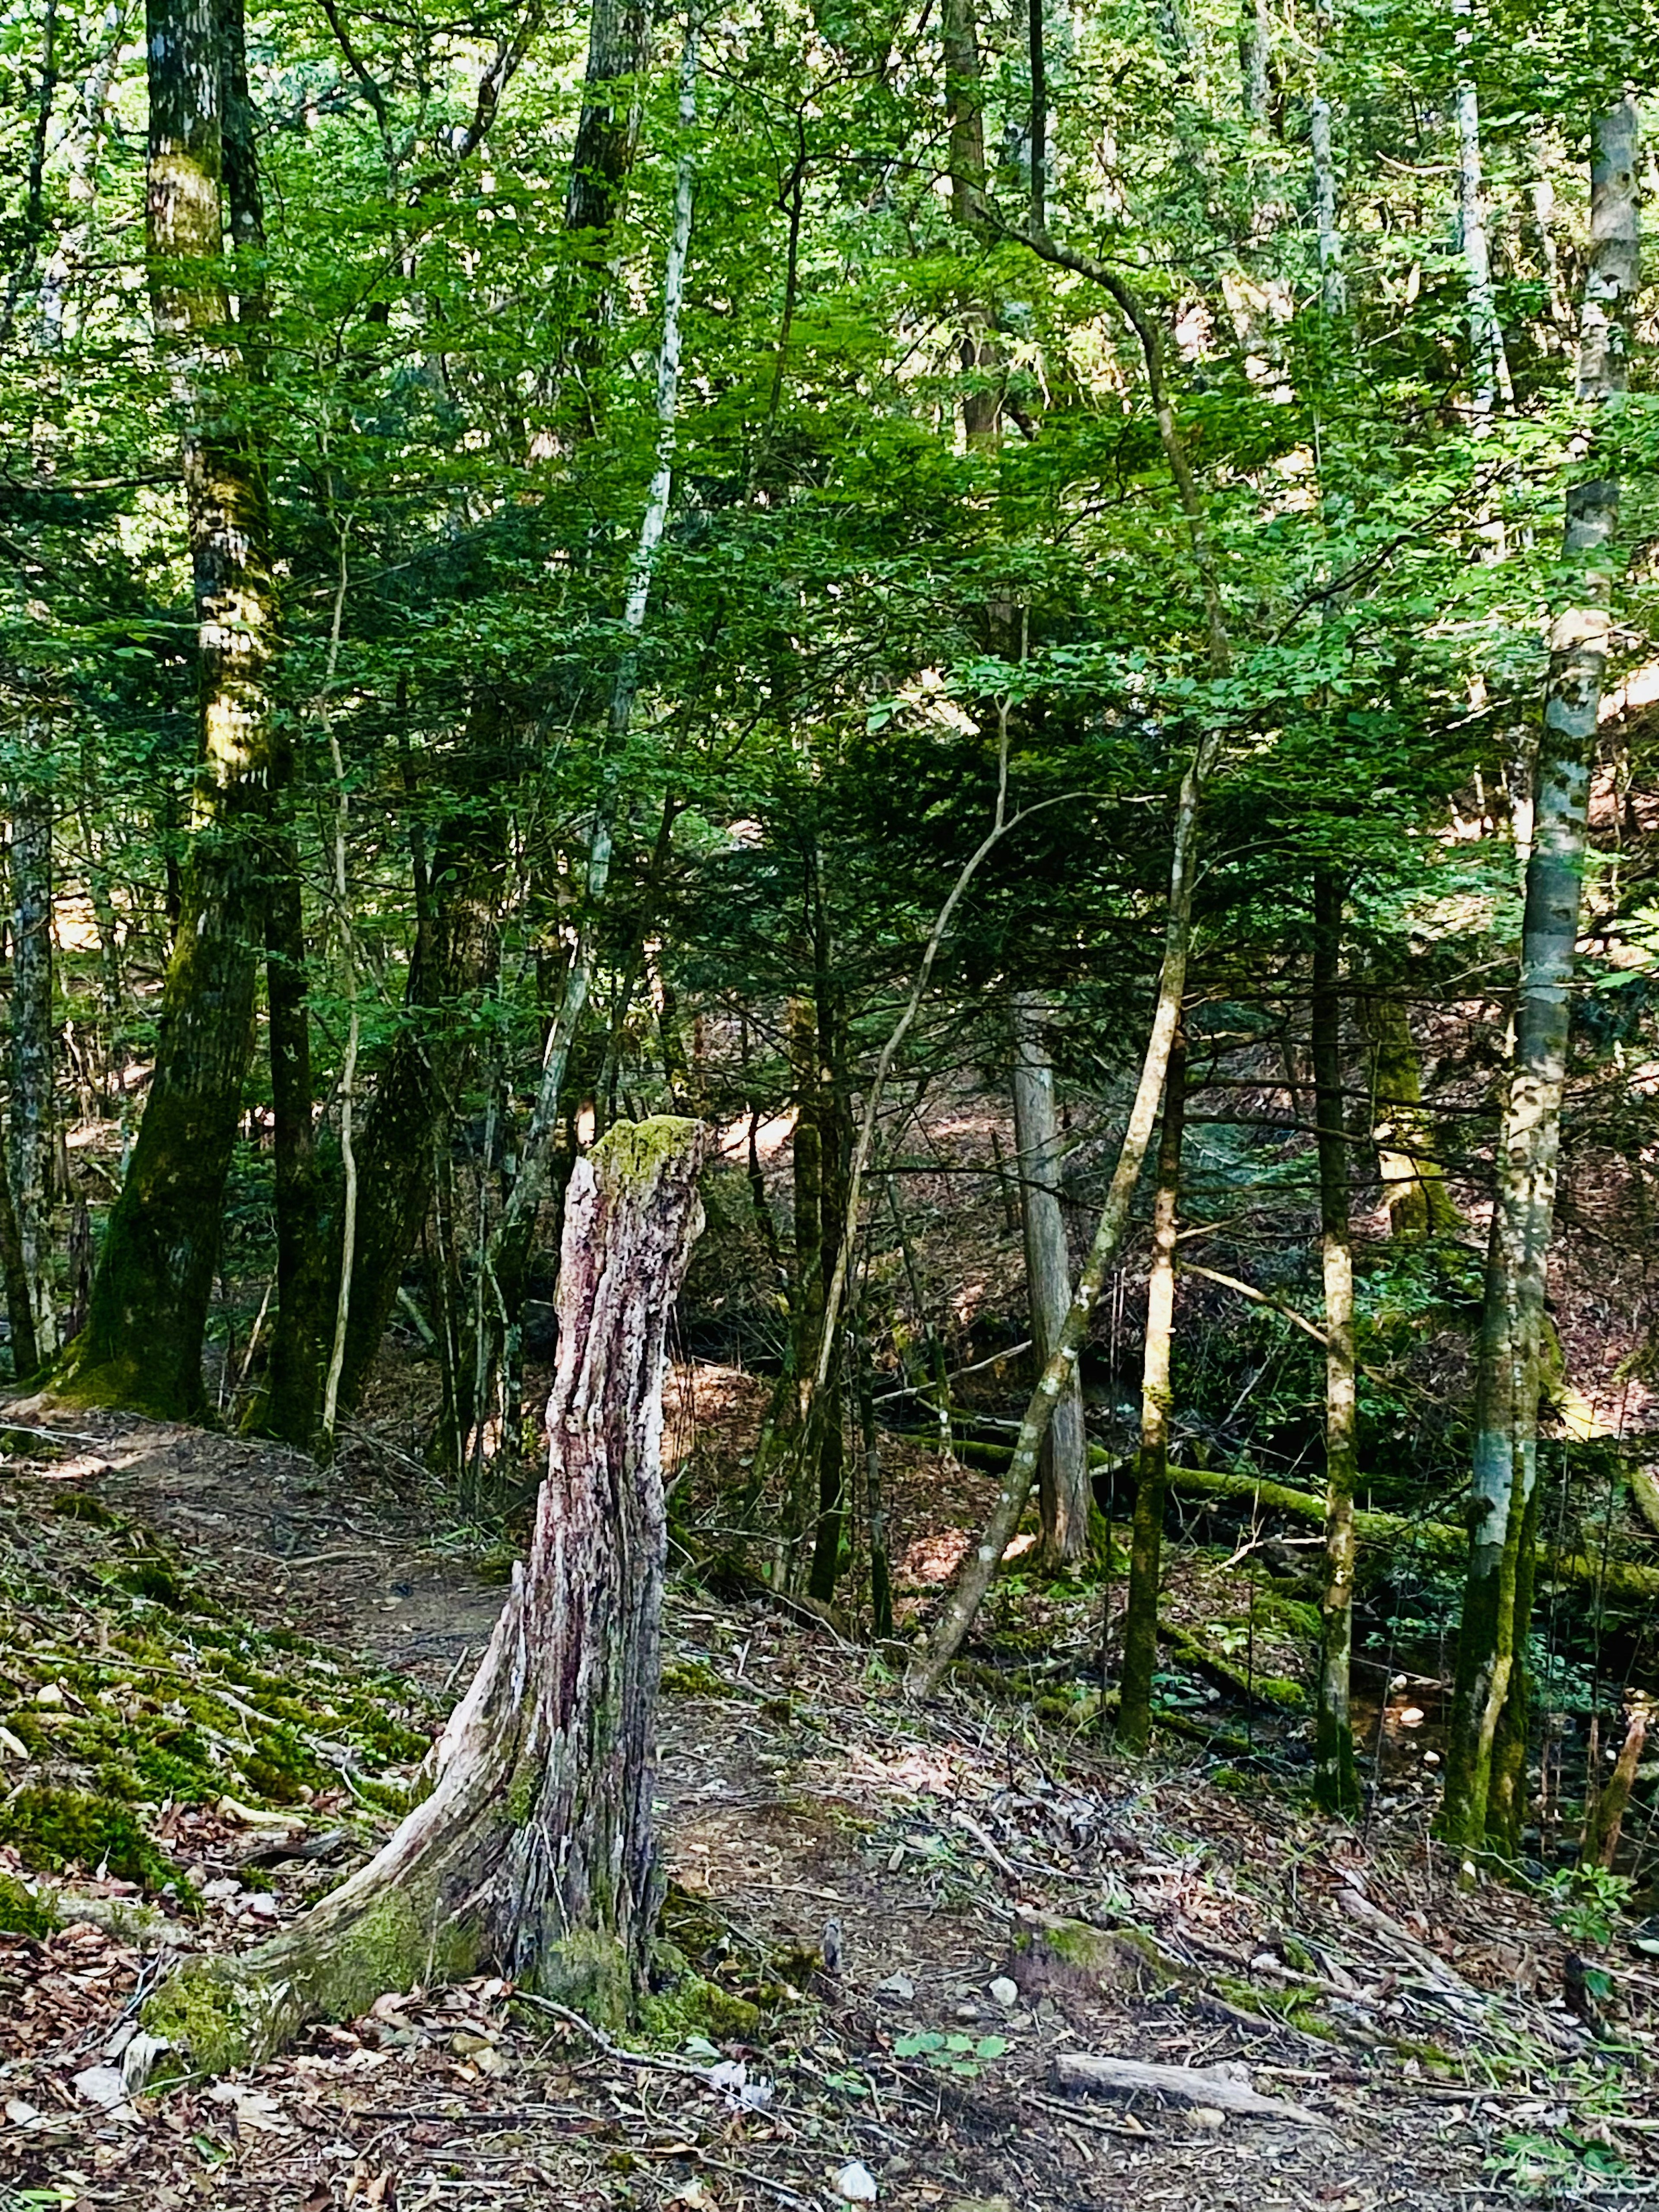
(532, 1854)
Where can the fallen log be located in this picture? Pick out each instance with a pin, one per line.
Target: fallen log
(1441, 1538)
(1447, 1540)
(1222, 2091)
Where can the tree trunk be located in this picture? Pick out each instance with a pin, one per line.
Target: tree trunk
(1335, 1784)
(288, 1405)
(982, 1561)
(1063, 1490)
(964, 100)
(1414, 1181)
(1134, 1712)
(1497, 1597)
(143, 1342)
(827, 1437)
(532, 1857)
(506, 1255)
(1488, 361)
(31, 1046)
(1333, 284)
(416, 1099)
(806, 1307)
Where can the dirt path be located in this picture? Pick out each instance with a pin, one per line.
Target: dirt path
(880, 1880)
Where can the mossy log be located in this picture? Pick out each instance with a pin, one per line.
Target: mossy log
(1619, 1578)
(531, 1854)
(1446, 1540)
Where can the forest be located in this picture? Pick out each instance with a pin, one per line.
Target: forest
(831, 1077)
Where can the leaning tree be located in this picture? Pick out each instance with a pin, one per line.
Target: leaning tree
(531, 1852)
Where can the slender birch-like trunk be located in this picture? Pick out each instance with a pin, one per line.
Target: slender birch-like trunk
(1335, 1783)
(1064, 1495)
(31, 1057)
(507, 1252)
(981, 1565)
(532, 1854)
(1134, 1711)
(1485, 1762)
(1489, 361)
(142, 1344)
(1333, 283)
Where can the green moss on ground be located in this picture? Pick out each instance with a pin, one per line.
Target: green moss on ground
(53, 1829)
(694, 2005)
(21, 1912)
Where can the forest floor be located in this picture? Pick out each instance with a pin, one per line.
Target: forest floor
(1003, 1894)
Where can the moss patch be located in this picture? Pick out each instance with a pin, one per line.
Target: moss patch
(57, 1828)
(694, 2005)
(693, 1678)
(21, 1912)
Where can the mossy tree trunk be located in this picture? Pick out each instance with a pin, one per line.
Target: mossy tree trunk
(142, 1344)
(1413, 1181)
(532, 1855)
(1483, 1795)
(1134, 1713)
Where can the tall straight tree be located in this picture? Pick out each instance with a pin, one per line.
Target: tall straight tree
(32, 1043)
(1334, 1782)
(1487, 1750)
(1134, 1710)
(141, 1344)
(1064, 1495)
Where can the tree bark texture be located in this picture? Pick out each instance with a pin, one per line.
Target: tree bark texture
(142, 1344)
(1335, 1783)
(1483, 1795)
(1064, 1495)
(31, 1135)
(532, 1855)
(1134, 1712)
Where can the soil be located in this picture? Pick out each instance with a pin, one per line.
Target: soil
(885, 1882)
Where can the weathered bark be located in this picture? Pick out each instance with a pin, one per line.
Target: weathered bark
(1254, 55)
(1335, 1783)
(1134, 1711)
(532, 1855)
(31, 1132)
(1063, 1491)
(142, 1344)
(1492, 1640)
(1413, 1181)
(608, 130)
